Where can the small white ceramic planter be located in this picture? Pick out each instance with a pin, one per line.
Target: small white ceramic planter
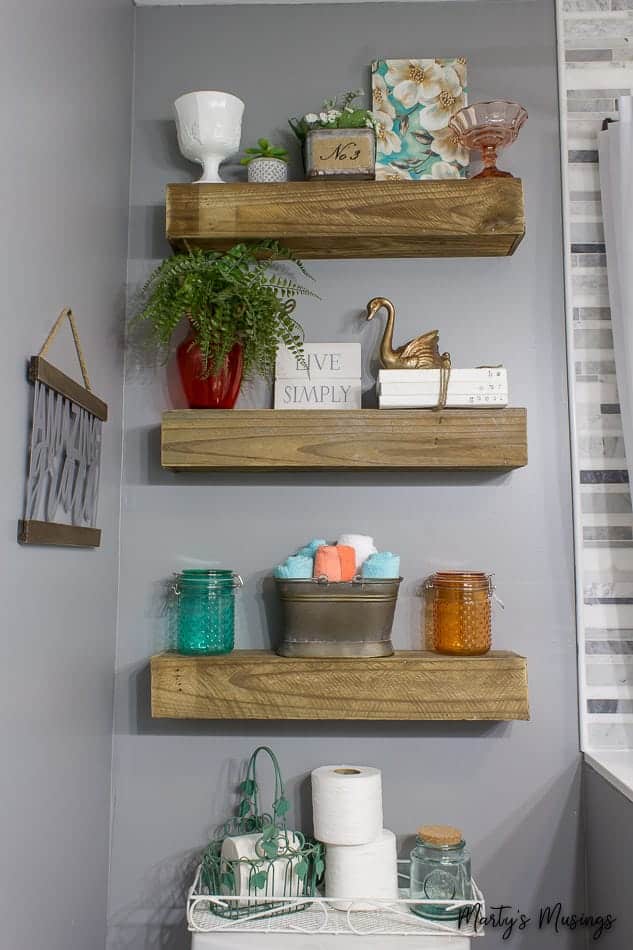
(209, 126)
(264, 170)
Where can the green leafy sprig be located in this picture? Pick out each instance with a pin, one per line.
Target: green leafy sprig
(240, 296)
(337, 113)
(274, 841)
(264, 150)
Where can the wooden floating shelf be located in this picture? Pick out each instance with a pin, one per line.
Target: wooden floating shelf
(345, 440)
(257, 684)
(453, 218)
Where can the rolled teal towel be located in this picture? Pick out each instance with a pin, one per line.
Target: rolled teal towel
(297, 567)
(309, 550)
(384, 564)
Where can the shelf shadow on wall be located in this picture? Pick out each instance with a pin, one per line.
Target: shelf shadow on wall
(147, 222)
(148, 242)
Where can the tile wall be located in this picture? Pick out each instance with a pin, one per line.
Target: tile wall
(596, 38)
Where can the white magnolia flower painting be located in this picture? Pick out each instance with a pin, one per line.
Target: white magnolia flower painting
(413, 101)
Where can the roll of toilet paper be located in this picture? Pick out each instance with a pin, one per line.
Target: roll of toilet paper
(347, 804)
(361, 873)
(362, 544)
(281, 880)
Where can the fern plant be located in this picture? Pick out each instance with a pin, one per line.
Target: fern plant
(240, 296)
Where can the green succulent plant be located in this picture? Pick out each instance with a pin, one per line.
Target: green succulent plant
(264, 150)
(239, 296)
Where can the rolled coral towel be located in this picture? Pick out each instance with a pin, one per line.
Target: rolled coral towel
(327, 563)
(347, 557)
(385, 565)
(295, 567)
(310, 549)
(362, 544)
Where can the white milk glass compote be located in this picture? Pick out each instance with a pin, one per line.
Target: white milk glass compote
(209, 126)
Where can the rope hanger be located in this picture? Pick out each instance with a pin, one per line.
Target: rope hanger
(68, 314)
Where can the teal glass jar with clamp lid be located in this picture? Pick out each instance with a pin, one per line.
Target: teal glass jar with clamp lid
(440, 871)
(205, 606)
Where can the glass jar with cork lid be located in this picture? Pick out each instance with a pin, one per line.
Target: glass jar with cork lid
(459, 610)
(440, 870)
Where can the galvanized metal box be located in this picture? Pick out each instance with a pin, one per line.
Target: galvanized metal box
(323, 619)
(341, 153)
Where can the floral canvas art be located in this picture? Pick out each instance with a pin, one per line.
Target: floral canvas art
(413, 101)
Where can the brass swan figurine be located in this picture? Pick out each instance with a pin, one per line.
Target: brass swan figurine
(420, 353)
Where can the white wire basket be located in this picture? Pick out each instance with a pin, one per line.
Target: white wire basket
(316, 915)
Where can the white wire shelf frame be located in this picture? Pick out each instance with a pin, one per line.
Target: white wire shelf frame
(317, 915)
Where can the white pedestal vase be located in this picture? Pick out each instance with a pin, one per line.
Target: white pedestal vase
(264, 170)
(209, 126)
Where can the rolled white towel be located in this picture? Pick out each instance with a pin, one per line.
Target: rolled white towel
(362, 544)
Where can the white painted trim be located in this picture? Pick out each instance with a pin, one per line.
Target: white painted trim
(571, 381)
(299, 941)
(614, 765)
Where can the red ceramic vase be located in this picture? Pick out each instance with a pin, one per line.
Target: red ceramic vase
(220, 389)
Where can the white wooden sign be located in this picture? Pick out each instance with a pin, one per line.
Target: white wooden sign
(323, 361)
(317, 394)
(329, 378)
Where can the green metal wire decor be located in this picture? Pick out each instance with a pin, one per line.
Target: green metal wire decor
(287, 864)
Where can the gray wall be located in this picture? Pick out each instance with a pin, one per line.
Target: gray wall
(64, 166)
(609, 841)
(513, 787)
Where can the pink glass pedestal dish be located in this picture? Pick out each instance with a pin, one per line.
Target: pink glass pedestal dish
(489, 127)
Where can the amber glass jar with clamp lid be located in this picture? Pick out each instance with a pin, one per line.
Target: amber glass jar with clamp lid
(460, 611)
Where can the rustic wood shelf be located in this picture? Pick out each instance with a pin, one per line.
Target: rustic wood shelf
(257, 684)
(453, 218)
(346, 440)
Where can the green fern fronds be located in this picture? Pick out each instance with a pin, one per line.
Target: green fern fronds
(240, 296)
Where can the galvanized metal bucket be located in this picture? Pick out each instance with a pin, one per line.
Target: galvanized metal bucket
(323, 619)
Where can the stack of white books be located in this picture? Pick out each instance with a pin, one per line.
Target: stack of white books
(478, 388)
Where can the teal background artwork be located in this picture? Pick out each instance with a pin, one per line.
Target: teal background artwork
(413, 101)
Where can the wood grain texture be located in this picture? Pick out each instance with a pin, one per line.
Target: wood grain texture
(254, 684)
(40, 370)
(456, 218)
(364, 439)
(61, 535)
